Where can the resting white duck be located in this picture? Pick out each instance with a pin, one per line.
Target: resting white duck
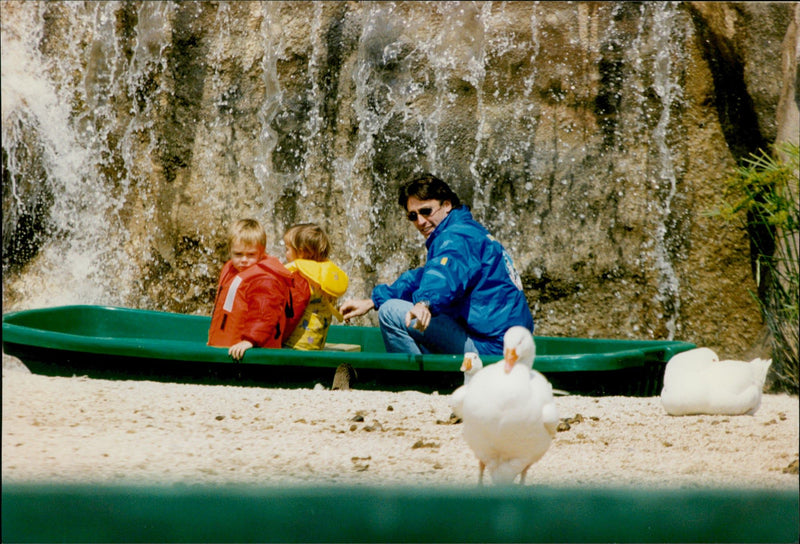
(697, 382)
(509, 414)
(470, 366)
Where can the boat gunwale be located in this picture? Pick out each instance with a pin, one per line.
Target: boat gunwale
(639, 353)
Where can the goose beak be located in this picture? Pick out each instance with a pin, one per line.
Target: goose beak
(466, 365)
(510, 358)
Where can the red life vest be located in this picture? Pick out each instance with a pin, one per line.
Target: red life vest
(258, 304)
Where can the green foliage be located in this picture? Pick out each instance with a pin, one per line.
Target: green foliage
(767, 189)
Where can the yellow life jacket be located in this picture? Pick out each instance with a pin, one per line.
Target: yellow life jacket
(327, 283)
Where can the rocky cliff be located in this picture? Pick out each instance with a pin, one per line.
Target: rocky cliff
(591, 138)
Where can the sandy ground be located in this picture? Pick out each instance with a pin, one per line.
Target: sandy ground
(80, 430)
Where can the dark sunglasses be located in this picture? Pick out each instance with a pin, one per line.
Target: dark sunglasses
(424, 212)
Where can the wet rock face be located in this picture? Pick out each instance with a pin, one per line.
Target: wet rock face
(592, 139)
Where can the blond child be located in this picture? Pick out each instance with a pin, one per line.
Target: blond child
(255, 295)
(307, 249)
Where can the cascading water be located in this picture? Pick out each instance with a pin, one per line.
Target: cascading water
(135, 132)
(670, 95)
(57, 122)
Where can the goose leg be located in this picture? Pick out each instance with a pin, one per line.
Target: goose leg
(523, 474)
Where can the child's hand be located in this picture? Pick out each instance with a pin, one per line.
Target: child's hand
(237, 350)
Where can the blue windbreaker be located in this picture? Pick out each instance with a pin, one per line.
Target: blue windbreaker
(468, 276)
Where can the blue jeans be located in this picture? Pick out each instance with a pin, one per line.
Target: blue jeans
(443, 335)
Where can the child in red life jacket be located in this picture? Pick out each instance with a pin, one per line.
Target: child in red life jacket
(259, 301)
(307, 249)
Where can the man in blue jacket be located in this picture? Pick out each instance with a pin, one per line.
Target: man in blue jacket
(465, 297)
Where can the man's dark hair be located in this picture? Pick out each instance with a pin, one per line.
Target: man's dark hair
(427, 187)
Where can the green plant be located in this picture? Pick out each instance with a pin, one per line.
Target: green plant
(766, 187)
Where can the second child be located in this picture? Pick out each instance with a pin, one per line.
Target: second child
(307, 249)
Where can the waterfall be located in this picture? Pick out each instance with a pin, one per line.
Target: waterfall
(670, 94)
(134, 133)
(57, 121)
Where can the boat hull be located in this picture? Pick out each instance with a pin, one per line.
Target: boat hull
(124, 343)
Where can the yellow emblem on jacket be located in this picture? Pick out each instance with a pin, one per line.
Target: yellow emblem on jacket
(327, 282)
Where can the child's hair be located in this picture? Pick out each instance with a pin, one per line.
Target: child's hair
(309, 241)
(248, 231)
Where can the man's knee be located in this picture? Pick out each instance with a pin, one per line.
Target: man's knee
(393, 312)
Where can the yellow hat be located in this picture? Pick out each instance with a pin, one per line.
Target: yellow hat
(326, 274)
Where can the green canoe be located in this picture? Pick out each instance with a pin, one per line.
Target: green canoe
(113, 342)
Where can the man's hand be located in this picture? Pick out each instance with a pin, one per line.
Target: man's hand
(421, 313)
(237, 350)
(354, 308)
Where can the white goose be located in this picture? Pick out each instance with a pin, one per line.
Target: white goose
(470, 366)
(697, 382)
(509, 414)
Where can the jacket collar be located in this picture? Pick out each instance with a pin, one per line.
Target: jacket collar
(456, 215)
